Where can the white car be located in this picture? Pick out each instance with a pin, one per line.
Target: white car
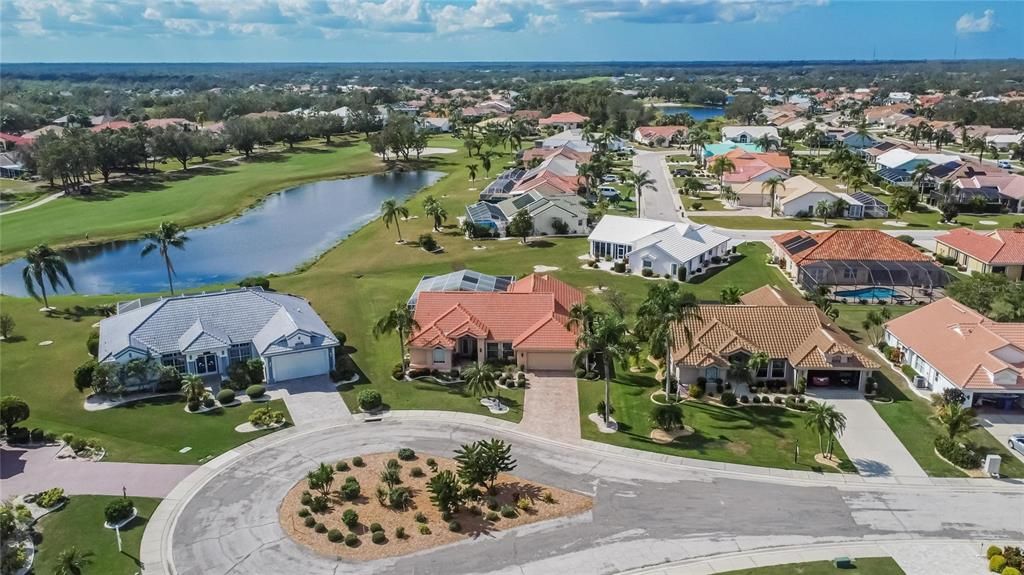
(1016, 442)
(609, 178)
(1004, 164)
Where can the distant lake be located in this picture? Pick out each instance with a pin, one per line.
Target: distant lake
(287, 229)
(699, 113)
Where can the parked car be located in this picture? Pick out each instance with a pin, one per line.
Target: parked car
(1004, 164)
(1016, 442)
(609, 178)
(681, 173)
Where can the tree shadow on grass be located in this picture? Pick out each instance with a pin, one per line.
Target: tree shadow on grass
(540, 244)
(715, 271)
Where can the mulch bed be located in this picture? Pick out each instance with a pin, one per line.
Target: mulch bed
(509, 487)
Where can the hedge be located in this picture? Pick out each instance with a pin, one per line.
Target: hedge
(957, 454)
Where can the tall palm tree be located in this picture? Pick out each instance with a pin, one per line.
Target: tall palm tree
(955, 419)
(398, 319)
(581, 315)
(485, 161)
(766, 143)
(823, 210)
(71, 561)
(720, 166)
(608, 339)
(756, 362)
(825, 419)
(392, 212)
(433, 208)
(472, 171)
(665, 306)
(771, 186)
(168, 235)
(480, 379)
(44, 263)
(639, 181)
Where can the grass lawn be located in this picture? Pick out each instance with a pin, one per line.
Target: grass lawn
(763, 436)
(150, 432)
(915, 221)
(867, 566)
(199, 196)
(909, 416)
(80, 524)
(709, 202)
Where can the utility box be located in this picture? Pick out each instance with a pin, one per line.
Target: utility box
(991, 465)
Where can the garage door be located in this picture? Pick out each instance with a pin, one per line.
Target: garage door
(304, 364)
(548, 361)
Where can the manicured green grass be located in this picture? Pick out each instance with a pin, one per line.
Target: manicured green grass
(80, 524)
(709, 202)
(151, 432)
(910, 416)
(763, 436)
(915, 220)
(199, 196)
(867, 566)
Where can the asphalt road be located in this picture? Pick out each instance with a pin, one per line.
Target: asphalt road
(645, 512)
(662, 202)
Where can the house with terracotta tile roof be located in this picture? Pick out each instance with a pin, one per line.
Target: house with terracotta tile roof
(994, 185)
(754, 166)
(564, 120)
(800, 341)
(952, 346)
(525, 325)
(1000, 251)
(662, 136)
(870, 260)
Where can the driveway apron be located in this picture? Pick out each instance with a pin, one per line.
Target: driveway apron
(313, 399)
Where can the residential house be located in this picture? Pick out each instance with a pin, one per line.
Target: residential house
(799, 198)
(527, 325)
(952, 346)
(750, 134)
(799, 340)
(436, 124)
(203, 334)
(660, 136)
(722, 148)
(755, 167)
(857, 141)
(573, 138)
(999, 251)
(897, 165)
(659, 246)
(997, 188)
(899, 98)
(564, 120)
(552, 215)
(1003, 142)
(856, 258)
(462, 280)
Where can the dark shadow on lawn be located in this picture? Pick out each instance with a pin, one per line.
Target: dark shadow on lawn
(540, 244)
(714, 272)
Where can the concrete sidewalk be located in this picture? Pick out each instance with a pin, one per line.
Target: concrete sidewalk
(871, 445)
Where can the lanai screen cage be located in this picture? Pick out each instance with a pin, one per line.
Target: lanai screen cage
(875, 280)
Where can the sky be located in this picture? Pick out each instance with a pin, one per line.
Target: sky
(505, 30)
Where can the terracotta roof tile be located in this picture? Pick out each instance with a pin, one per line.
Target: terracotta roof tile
(998, 247)
(838, 245)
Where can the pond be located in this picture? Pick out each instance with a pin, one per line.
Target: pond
(698, 113)
(287, 229)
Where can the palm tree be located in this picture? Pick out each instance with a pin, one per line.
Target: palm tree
(692, 186)
(168, 235)
(825, 419)
(756, 362)
(609, 339)
(434, 209)
(720, 166)
(581, 315)
(398, 319)
(664, 306)
(766, 143)
(472, 172)
(392, 211)
(823, 209)
(771, 186)
(955, 419)
(639, 181)
(485, 161)
(71, 561)
(193, 388)
(731, 295)
(45, 264)
(480, 379)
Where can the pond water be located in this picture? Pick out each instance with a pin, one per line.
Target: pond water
(288, 228)
(699, 112)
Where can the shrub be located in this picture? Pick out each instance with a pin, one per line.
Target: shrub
(619, 267)
(646, 272)
(454, 526)
(681, 274)
(446, 516)
(508, 511)
(208, 402)
(957, 454)
(719, 387)
(378, 537)
(492, 516)
(400, 533)
(226, 396)
(424, 530)
(306, 498)
(357, 461)
(728, 399)
(744, 399)
(523, 503)
(350, 489)
(118, 510)
(350, 517)
(351, 539)
(756, 399)
(420, 517)
(1014, 557)
(399, 497)
(319, 504)
(406, 454)
(341, 465)
(309, 522)
(255, 391)
(303, 512)
(335, 536)
(600, 409)
(374, 527)
(992, 551)
(416, 472)
(696, 391)
(997, 563)
(50, 497)
(369, 399)
(265, 416)
(192, 405)
(492, 504)
(432, 464)
(255, 281)
(428, 242)
(1011, 571)
(93, 343)
(83, 375)
(779, 400)
(548, 497)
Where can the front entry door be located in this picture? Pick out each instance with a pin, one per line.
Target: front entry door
(206, 363)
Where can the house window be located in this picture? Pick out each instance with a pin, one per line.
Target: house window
(492, 350)
(239, 352)
(506, 352)
(175, 360)
(778, 369)
(711, 373)
(674, 268)
(999, 269)
(762, 371)
(439, 355)
(648, 264)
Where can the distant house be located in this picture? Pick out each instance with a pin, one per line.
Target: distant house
(436, 124)
(527, 325)
(1000, 251)
(858, 142)
(755, 167)
(722, 148)
(549, 213)
(1004, 141)
(661, 136)
(166, 122)
(799, 197)
(750, 134)
(564, 120)
(204, 334)
(799, 340)
(573, 138)
(659, 246)
(996, 187)
(899, 98)
(114, 125)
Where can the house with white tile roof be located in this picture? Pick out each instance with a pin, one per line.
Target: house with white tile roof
(203, 334)
(659, 246)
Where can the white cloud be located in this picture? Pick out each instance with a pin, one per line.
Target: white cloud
(971, 24)
(680, 11)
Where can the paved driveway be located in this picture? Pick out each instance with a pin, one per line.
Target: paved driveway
(313, 399)
(1003, 424)
(871, 445)
(662, 202)
(27, 470)
(552, 407)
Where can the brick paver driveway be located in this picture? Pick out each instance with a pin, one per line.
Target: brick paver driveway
(552, 407)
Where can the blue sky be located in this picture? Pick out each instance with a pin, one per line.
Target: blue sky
(502, 30)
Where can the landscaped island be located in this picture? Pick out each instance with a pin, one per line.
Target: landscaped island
(389, 504)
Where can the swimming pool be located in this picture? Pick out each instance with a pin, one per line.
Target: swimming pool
(870, 293)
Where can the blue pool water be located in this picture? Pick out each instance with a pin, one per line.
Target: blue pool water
(869, 293)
